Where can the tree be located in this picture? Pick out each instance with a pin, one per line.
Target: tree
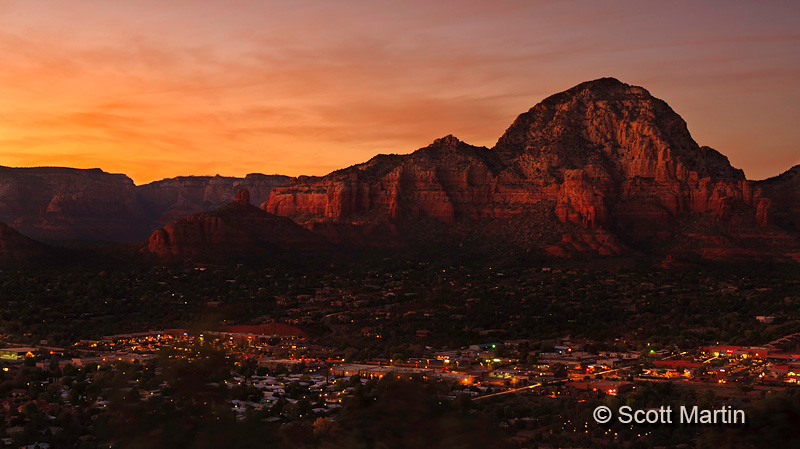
(560, 370)
(322, 427)
(350, 354)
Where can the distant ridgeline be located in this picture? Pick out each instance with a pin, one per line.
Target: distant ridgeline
(601, 169)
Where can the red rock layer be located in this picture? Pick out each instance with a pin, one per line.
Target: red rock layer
(242, 197)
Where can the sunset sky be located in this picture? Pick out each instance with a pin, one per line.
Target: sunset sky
(161, 88)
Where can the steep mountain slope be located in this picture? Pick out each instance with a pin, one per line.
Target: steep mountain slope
(619, 156)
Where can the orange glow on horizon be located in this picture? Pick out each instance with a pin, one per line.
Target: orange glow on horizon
(157, 90)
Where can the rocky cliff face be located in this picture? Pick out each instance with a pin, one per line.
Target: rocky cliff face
(445, 180)
(49, 203)
(70, 204)
(617, 154)
(235, 230)
(604, 156)
(171, 199)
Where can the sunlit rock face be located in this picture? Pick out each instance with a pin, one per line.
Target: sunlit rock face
(445, 181)
(604, 156)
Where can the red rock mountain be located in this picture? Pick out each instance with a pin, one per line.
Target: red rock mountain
(613, 165)
(602, 168)
(235, 230)
(51, 203)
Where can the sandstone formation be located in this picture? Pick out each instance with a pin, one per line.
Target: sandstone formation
(242, 197)
(171, 199)
(445, 180)
(604, 156)
(49, 203)
(235, 230)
